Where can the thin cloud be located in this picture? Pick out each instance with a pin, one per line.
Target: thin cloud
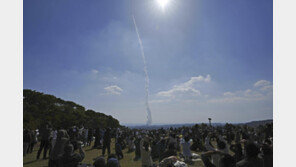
(113, 90)
(262, 83)
(262, 90)
(94, 71)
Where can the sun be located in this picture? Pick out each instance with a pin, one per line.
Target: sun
(162, 3)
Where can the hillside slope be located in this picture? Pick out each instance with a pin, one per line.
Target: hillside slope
(40, 108)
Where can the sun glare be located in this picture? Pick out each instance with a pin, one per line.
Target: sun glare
(162, 3)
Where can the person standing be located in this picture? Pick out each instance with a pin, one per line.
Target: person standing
(33, 141)
(138, 148)
(54, 138)
(186, 148)
(58, 149)
(45, 134)
(85, 136)
(146, 153)
(90, 136)
(106, 141)
(97, 138)
(26, 141)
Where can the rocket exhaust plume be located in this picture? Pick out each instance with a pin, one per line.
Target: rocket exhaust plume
(149, 118)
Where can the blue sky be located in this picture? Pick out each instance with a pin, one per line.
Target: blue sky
(205, 58)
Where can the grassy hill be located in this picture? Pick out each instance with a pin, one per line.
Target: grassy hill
(40, 108)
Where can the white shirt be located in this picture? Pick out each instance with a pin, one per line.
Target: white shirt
(186, 148)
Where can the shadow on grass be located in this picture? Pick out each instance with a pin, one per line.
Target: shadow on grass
(89, 149)
(30, 162)
(189, 162)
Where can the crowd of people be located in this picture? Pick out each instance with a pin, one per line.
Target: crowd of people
(219, 146)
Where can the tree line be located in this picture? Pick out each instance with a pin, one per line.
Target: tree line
(40, 108)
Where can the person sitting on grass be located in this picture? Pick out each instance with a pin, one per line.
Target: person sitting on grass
(99, 162)
(172, 162)
(71, 159)
(168, 162)
(112, 161)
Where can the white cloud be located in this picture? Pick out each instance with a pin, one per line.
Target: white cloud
(186, 88)
(187, 92)
(262, 89)
(113, 89)
(267, 88)
(262, 83)
(228, 94)
(179, 90)
(200, 78)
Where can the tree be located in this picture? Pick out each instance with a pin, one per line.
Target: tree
(39, 107)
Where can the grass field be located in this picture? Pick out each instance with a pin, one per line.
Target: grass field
(30, 159)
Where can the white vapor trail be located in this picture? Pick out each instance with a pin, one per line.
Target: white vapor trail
(149, 118)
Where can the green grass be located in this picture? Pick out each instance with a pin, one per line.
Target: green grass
(30, 159)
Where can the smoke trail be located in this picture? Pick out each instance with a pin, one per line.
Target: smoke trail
(149, 118)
